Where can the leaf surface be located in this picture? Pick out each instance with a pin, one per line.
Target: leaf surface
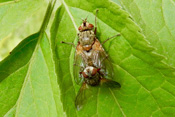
(148, 84)
(37, 78)
(156, 18)
(28, 80)
(14, 14)
(7, 1)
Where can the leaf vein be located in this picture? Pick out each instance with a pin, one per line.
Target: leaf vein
(149, 92)
(117, 103)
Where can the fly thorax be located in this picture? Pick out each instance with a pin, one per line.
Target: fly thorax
(86, 38)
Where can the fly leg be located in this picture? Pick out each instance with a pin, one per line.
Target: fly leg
(69, 43)
(106, 57)
(110, 38)
(96, 22)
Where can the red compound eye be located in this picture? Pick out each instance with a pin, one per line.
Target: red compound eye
(94, 71)
(80, 28)
(84, 75)
(90, 26)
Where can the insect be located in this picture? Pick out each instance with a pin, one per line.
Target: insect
(91, 63)
(92, 77)
(89, 51)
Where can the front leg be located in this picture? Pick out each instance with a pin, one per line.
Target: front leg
(110, 38)
(69, 43)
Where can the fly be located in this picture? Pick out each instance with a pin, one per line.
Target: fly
(89, 51)
(92, 77)
(91, 63)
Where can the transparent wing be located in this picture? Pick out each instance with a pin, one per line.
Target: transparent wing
(109, 83)
(78, 67)
(82, 96)
(106, 65)
(87, 93)
(101, 60)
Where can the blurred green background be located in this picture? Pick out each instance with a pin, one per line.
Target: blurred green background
(29, 26)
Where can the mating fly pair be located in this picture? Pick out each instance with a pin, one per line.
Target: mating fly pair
(91, 63)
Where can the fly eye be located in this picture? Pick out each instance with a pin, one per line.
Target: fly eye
(94, 71)
(84, 75)
(80, 28)
(90, 26)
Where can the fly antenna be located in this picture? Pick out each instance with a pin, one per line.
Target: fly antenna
(86, 17)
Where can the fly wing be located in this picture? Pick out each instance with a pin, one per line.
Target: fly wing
(101, 60)
(106, 65)
(109, 83)
(78, 65)
(82, 96)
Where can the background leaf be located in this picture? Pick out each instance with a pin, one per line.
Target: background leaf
(147, 83)
(28, 80)
(13, 14)
(7, 1)
(37, 78)
(156, 18)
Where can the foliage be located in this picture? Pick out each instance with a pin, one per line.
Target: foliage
(37, 78)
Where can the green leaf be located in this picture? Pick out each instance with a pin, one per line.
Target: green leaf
(37, 78)
(148, 84)
(7, 1)
(156, 18)
(14, 14)
(28, 80)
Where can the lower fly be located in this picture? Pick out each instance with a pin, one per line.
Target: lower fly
(92, 77)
